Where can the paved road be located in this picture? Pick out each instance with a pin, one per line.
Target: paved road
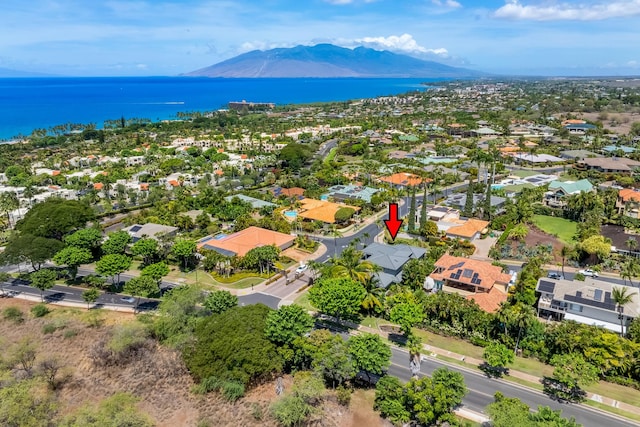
(481, 390)
(71, 294)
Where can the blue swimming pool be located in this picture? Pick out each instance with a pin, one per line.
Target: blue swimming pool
(290, 214)
(219, 236)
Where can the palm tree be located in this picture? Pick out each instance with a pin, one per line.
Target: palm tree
(621, 297)
(525, 315)
(8, 203)
(336, 234)
(414, 345)
(350, 264)
(374, 295)
(631, 244)
(630, 270)
(565, 252)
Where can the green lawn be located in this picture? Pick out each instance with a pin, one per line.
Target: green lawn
(331, 155)
(562, 228)
(303, 301)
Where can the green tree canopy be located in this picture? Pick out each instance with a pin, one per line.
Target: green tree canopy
(54, 218)
(370, 354)
(22, 405)
(597, 245)
(85, 238)
(344, 214)
(156, 271)
(143, 286)
(510, 412)
(232, 346)
(220, 301)
(147, 248)
(184, 250)
(116, 243)
(33, 249)
(294, 156)
(73, 257)
(112, 265)
(497, 356)
(178, 313)
(406, 314)
(415, 271)
(572, 372)
(427, 400)
(340, 297)
(287, 323)
(43, 279)
(90, 296)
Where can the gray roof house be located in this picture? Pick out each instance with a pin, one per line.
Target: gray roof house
(150, 230)
(255, 203)
(588, 302)
(391, 258)
(458, 200)
(342, 193)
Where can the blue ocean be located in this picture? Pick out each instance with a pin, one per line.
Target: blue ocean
(29, 103)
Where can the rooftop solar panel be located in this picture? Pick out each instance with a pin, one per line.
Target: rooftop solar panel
(546, 286)
(136, 228)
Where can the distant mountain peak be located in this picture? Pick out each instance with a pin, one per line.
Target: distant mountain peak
(327, 60)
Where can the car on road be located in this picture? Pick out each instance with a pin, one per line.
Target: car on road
(588, 273)
(302, 268)
(555, 276)
(130, 300)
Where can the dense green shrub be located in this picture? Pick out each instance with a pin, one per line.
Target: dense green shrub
(232, 390)
(232, 346)
(13, 314)
(39, 310)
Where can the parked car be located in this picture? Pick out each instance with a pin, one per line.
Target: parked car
(302, 268)
(588, 273)
(130, 300)
(555, 276)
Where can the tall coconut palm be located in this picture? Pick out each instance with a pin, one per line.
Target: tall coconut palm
(374, 295)
(350, 264)
(565, 252)
(622, 297)
(8, 203)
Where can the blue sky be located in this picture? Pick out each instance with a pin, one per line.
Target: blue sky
(168, 37)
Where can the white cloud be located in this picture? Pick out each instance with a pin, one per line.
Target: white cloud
(262, 45)
(404, 43)
(452, 4)
(567, 11)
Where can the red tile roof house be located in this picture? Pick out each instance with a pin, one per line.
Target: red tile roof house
(628, 202)
(479, 281)
(243, 241)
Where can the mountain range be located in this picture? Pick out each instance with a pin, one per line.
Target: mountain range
(327, 60)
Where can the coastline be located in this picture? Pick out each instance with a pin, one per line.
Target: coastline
(32, 103)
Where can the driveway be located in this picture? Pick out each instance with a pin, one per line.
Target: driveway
(483, 246)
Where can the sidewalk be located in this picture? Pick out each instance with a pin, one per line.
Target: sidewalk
(81, 305)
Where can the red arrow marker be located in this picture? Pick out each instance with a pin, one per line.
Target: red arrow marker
(393, 223)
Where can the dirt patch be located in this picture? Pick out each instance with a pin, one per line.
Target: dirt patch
(296, 254)
(537, 237)
(158, 376)
(619, 123)
(361, 411)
